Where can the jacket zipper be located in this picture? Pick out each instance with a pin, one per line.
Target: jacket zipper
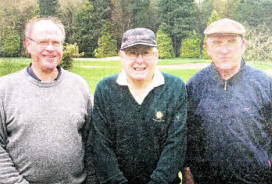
(225, 85)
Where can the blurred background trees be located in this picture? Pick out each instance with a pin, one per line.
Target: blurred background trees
(96, 26)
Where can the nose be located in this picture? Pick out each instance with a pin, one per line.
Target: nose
(224, 49)
(49, 46)
(139, 58)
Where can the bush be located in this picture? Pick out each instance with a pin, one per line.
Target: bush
(11, 43)
(164, 42)
(259, 44)
(107, 46)
(69, 52)
(190, 46)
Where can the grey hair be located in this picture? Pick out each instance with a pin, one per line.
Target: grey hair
(29, 25)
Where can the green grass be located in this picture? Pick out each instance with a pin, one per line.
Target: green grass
(93, 71)
(182, 61)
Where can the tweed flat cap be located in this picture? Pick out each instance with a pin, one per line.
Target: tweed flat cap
(138, 36)
(226, 27)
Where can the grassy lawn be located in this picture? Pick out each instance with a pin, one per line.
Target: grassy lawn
(93, 71)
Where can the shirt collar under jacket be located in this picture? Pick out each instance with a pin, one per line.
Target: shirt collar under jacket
(32, 74)
(157, 80)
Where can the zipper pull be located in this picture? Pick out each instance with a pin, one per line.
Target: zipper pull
(225, 85)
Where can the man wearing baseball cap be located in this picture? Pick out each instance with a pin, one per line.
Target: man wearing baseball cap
(229, 113)
(138, 129)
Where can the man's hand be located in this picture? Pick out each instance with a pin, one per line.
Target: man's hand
(187, 177)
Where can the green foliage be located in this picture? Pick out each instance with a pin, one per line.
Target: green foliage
(135, 12)
(13, 16)
(259, 44)
(214, 17)
(254, 12)
(84, 28)
(127, 14)
(48, 7)
(190, 46)
(164, 44)
(179, 17)
(226, 8)
(68, 10)
(11, 43)
(107, 46)
(102, 10)
(69, 52)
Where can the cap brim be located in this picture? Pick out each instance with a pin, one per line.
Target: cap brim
(139, 43)
(224, 34)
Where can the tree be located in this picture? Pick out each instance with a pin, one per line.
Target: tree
(214, 16)
(127, 14)
(179, 17)
(107, 46)
(13, 16)
(226, 8)
(68, 10)
(11, 43)
(84, 28)
(190, 46)
(48, 7)
(164, 43)
(254, 13)
(101, 14)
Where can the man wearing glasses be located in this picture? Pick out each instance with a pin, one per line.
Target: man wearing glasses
(229, 114)
(138, 131)
(44, 114)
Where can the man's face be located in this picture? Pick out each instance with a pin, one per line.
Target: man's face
(225, 50)
(139, 62)
(45, 45)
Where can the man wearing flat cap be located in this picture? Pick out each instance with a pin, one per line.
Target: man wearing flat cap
(138, 131)
(229, 114)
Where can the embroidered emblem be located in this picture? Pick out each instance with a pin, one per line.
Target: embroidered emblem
(158, 116)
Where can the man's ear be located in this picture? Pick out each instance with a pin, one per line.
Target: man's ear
(243, 45)
(27, 45)
(207, 47)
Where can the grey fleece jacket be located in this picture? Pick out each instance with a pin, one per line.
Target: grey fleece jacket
(43, 128)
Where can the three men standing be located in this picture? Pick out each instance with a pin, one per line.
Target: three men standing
(44, 114)
(138, 132)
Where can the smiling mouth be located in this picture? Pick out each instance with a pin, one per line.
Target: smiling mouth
(139, 69)
(51, 57)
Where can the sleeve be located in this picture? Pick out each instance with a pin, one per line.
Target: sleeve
(100, 144)
(268, 115)
(192, 129)
(195, 149)
(8, 172)
(91, 176)
(172, 156)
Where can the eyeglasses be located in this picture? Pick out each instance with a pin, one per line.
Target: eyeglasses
(46, 43)
(228, 43)
(133, 54)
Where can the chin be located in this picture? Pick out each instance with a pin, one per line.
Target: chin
(138, 79)
(50, 67)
